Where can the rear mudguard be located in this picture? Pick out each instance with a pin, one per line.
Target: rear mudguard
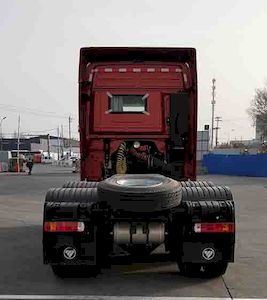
(207, 247)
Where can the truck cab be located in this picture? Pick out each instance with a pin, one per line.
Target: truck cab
(138, 112)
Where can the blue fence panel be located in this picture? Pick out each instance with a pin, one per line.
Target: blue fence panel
(240, 165)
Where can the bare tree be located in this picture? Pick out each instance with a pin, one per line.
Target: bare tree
(258, 110)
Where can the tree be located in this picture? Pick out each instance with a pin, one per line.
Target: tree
(258, 110)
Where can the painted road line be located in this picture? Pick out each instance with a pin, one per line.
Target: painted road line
(99, 297)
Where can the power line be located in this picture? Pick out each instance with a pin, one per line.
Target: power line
(227, 120)
(39, 131)
(26, 109)
(16, 109)
(33, 113)
(234, 119)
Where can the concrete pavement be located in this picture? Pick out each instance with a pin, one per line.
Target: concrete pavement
(22, 271)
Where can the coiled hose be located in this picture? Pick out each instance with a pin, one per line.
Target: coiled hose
(121, 164)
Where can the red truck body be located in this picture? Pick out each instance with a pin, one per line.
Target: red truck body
(138, 119)
(164, 80)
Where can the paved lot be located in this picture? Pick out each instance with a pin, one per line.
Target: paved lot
(22, 271)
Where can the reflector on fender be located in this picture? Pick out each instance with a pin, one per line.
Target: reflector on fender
(64, 226)
(214, 227)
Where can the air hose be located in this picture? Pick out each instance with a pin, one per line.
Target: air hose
(140, 155)
(121, 164)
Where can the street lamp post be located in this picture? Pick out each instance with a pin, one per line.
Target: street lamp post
(1, 131)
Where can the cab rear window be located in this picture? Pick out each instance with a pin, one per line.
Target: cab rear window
(127, 103)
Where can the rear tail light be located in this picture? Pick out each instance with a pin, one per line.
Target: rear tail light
(64, 226)
(214, 227)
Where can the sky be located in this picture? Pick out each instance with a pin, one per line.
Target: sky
(40, 42)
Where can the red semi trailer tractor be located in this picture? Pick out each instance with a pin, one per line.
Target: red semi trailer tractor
(138, 124)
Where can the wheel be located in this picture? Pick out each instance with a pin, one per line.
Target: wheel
(80, 184)
(74, 195)
(64, 271)
(197, 183)
(208, 270)
(198, 193)
(140, 192)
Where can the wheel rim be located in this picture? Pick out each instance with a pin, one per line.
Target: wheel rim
(139, 182)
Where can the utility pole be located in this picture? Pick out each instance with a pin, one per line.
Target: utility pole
(213, 108)
(18, 144)
(58, 144)
(70, 119)
(218, 119)
(48, 146)
(1, 131)
(62, 141)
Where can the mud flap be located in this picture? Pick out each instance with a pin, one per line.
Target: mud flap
(198, 247)
(70, 248)
(201, 252)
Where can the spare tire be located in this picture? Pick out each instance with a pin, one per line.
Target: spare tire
(140, 192)
(80, 184)
(84, 195)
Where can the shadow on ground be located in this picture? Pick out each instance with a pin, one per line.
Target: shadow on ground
(22, 272)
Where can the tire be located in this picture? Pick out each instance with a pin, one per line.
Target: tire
(80, 184)
(212, 193)
(206, 270)
(65, 271)
(197, 183)
(140, 192)
(74, 195)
